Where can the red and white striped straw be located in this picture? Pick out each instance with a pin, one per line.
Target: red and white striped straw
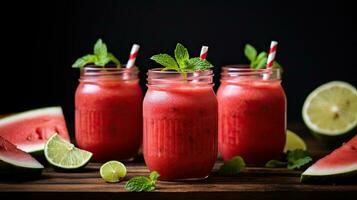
(204, 51)
(272, 53)
(133, 53)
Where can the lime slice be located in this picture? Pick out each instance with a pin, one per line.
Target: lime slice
(113, 171)
(293, 141)
(331, 109)
(64, 155)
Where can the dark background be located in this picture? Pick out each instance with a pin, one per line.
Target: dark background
(41, 40)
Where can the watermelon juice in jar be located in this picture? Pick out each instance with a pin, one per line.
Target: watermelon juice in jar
(180, 124)
(108, 107)
(252, 114)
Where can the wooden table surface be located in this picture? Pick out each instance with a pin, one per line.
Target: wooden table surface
(252, 183)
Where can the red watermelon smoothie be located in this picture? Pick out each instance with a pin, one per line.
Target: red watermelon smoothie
(108, 113)
(252, 114)
(180, 124)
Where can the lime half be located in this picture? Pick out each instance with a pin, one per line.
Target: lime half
(113, 171)
(293, 141)
(331, 109)
(65, 155)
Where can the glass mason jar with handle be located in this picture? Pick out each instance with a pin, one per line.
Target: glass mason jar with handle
(180, 124)
(252, 114)
(108, 112)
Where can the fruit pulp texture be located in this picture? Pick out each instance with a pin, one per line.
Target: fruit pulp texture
(180, 131)
(108, 118)
(252, 120)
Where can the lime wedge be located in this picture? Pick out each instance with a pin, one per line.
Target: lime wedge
(293, 141)
(331, 109)
(113, 171)
(64, 155)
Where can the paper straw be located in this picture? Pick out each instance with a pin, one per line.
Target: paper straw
(133, 53)
(203, 55)
(272, 53)
(204, 51)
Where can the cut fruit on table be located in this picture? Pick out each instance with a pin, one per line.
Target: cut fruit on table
(64, 155)
(330, 111)
(339, 165)
(15, 162)
(293, 142)
(30, 130)
(113, 171)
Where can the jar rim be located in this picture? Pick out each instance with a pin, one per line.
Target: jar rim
(157, 76)
(239, 70)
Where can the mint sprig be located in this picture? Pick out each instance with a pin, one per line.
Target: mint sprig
(142, 183)
(257, 61)
(232, 167)
(182, 61)
(294, 160)
(101, 57)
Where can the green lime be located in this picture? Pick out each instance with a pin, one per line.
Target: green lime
(293, 141)
(113, 171)
(65, 155)
(331, 109)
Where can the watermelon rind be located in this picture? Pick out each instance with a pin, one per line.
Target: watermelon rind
(334, 175)
(17, 168)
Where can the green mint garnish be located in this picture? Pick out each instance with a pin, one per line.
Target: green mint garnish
(257, 61)
(232, 167)
(142, 183)
(101, 57)
(182, 62)
(294, 160)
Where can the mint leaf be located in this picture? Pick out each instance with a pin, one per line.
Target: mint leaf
(297, 164)
(142, 183)
(181, 55)
(112, 58)
(100, 49)
(276, 65)
(261, 64)
(275, 163)
(232, 167)
(138, 184)
(81, 62)
(298, 158)
(101, 57)
(154, 176)
(295, 160)
(250, 52)
(198, 64)
(165, 60)
(260, 61)
(182, 63)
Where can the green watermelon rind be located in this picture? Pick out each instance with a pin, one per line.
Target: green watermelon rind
(342, 176)
(31, 113)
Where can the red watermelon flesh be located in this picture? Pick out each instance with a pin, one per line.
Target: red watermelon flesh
(341, 162)
(10, 155)
(30, 130)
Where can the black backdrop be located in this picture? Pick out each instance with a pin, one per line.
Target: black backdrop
(42, 39)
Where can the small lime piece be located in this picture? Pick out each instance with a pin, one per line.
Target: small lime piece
(65, 155)
(113, 171)
(293, 142)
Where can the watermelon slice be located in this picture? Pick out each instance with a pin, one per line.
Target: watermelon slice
(15, 162)
(30, 130)
(336, 166)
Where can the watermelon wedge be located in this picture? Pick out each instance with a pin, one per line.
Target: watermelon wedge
(15, 162)
(30, 130)
(339, 165)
